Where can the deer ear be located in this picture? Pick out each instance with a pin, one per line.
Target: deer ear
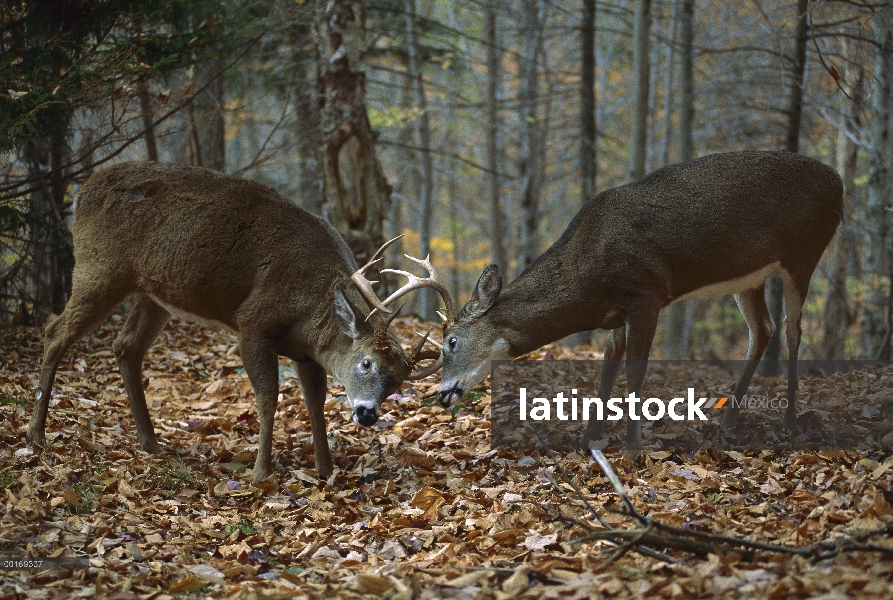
(346, 314)
(485, 293)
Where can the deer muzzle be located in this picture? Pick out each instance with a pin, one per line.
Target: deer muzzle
(365, 413)
(448, 395)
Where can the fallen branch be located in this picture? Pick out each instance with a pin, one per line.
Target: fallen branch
(582, 499)
(662, 535)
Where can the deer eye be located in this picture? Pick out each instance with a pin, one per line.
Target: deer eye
(452, 342)
(366, 364)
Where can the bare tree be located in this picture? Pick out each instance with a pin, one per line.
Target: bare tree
(878, 190)
(835, 316)
(679, 314)
(209, 123)
(531, 168)
(588, 140)
(497, 216)
(427, 304)
(774, 288)
(355, 191)
(307, 132)
(148, 125)
(641, 67)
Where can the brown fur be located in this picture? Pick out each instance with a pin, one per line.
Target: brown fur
(635, 249)
(230, 251)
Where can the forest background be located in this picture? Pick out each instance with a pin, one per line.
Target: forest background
(475, 128)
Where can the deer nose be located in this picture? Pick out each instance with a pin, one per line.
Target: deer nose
(365, 415)
(447, 396)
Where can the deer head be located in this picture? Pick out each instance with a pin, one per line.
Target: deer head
(471, 342)
(376, 365)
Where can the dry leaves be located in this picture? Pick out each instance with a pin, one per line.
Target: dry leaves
(419, 506)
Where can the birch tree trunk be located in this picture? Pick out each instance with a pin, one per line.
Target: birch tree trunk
(355, 191)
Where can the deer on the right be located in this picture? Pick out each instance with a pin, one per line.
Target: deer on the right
(717, 225)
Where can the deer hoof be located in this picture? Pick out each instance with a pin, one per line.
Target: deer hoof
(729, 420)
(633, 455)
(790, 422)
(36, 438)
(153, 447)
(261, 474)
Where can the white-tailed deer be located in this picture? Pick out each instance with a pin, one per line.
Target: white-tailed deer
(201, 244)
(717, 225)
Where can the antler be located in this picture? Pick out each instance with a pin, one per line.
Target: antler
(419, 355)
(365, 286)
(416, 283)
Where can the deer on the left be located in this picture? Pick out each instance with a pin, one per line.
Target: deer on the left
(199, 244)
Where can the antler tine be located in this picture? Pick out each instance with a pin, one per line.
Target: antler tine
(380, 253)
(365, 286)
(394, 316)
(418, 355)
(418, 347)
(434, 342)
(414, 283)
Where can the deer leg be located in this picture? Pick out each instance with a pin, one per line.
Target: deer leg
(85, 310)
(262, 366)
(752, 304)
(793, 302)
(313, 385)
(640, 328)
(144, 322)
(611, 367)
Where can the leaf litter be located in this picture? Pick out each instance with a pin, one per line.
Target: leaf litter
(419, 506)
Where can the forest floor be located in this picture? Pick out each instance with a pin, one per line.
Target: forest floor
(420, 506)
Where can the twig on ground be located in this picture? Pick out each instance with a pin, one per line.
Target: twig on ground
(662, 535)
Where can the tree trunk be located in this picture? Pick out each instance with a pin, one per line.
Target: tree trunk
(588, 140)
(428, 302)
(53, 259)
(497, 217)
(356, 193)
(454, 237)
(679, 315)
(672, 34)
(687, 81)
(878, 191)
(407, 184)
(532, 165)
(148, 123)
(208, 115)
(774, 289)
(307, 133)
(835, 315)
(641, 68)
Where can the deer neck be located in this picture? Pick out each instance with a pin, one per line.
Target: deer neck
(544, 304)
(329, 342)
